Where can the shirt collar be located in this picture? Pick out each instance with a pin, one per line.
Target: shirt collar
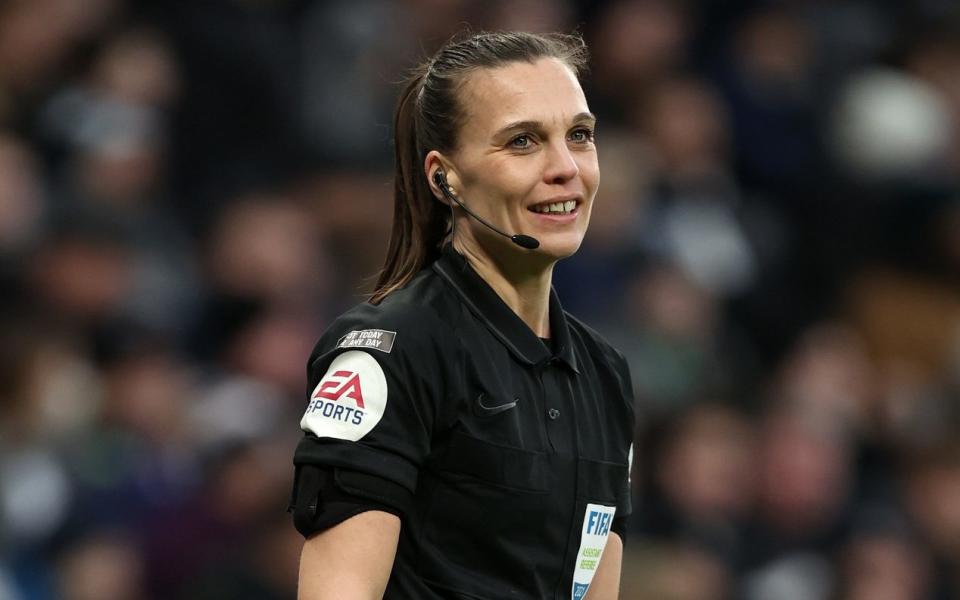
(500, 318)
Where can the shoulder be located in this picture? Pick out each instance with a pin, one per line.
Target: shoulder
(409, 322)
(397, 349)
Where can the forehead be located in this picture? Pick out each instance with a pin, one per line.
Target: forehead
(546, 91)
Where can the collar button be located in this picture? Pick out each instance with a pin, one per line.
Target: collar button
(554, 414)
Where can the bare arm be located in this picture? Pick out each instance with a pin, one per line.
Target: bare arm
(606, 581)
(352, 560)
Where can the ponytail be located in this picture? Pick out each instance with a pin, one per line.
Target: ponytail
(420, 222)
(427, 117)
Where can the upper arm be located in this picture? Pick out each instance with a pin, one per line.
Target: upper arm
(375, 385)
(350, 561)
(606, 581)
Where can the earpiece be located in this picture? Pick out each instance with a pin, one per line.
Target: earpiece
(524, 241)
(440, 178)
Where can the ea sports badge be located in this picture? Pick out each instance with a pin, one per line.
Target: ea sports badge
(349, 400)
(597, 520)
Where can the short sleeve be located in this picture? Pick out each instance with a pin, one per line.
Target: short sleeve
(375, 386)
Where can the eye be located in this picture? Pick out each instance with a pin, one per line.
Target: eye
(521, 142)
(582, 135)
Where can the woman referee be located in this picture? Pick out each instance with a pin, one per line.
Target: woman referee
(464, 437)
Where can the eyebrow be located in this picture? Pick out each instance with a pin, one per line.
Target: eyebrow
(538, 125)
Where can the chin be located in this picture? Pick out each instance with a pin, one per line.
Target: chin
(559, 248)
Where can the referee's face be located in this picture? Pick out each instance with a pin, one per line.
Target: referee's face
(525, 158)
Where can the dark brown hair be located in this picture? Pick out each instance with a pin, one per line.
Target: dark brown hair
(428, 117)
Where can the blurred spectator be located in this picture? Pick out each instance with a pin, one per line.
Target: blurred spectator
(106, 137)
(49, 391)
(36, 38)
(770, 85)
(687, 126)
(268, 280)
(678, 348)
(268, 572)
(348, 207)
(884, 566)
(703, 482)
(634, 44)
(81, 274)
(269, 346)
(805, 481)
(707, 470)
(932, 486)
(22, 198)
(102, 566)
(195, 545)
(264, 248)
(695, 214)
(113, 119)
(51, 388)
(530, 15)
(344, 122)
(829, 378)
(234, 410)
(137, 458)
(674, 572)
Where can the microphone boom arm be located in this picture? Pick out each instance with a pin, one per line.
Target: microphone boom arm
(524, 241)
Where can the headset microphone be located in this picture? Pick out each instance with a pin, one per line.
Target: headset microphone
(524, 241)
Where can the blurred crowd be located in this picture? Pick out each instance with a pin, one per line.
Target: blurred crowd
(191, 191)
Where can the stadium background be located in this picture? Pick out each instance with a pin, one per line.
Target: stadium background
(190, 191)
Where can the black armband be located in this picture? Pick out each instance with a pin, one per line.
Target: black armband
(325, 496)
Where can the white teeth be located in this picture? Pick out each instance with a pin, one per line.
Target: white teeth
(556, 207)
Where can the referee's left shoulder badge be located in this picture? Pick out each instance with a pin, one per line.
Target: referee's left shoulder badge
(371, 339)
(350, 399)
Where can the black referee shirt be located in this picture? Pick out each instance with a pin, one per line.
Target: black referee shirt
(516, 454)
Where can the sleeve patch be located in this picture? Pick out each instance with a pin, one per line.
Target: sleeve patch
(597, 521)
(350, 399)
(377, 339)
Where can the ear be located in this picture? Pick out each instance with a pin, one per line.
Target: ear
(434, 163)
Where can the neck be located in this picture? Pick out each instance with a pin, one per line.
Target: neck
(524, 287)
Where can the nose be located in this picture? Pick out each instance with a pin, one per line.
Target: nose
(561, 165)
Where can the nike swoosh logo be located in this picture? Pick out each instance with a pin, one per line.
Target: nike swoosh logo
(487, 410)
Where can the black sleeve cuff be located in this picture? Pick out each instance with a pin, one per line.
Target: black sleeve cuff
(326, 496)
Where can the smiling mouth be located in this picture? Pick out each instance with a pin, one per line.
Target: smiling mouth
(555, 208)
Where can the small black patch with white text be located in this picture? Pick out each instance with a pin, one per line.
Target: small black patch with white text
(378, 339)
